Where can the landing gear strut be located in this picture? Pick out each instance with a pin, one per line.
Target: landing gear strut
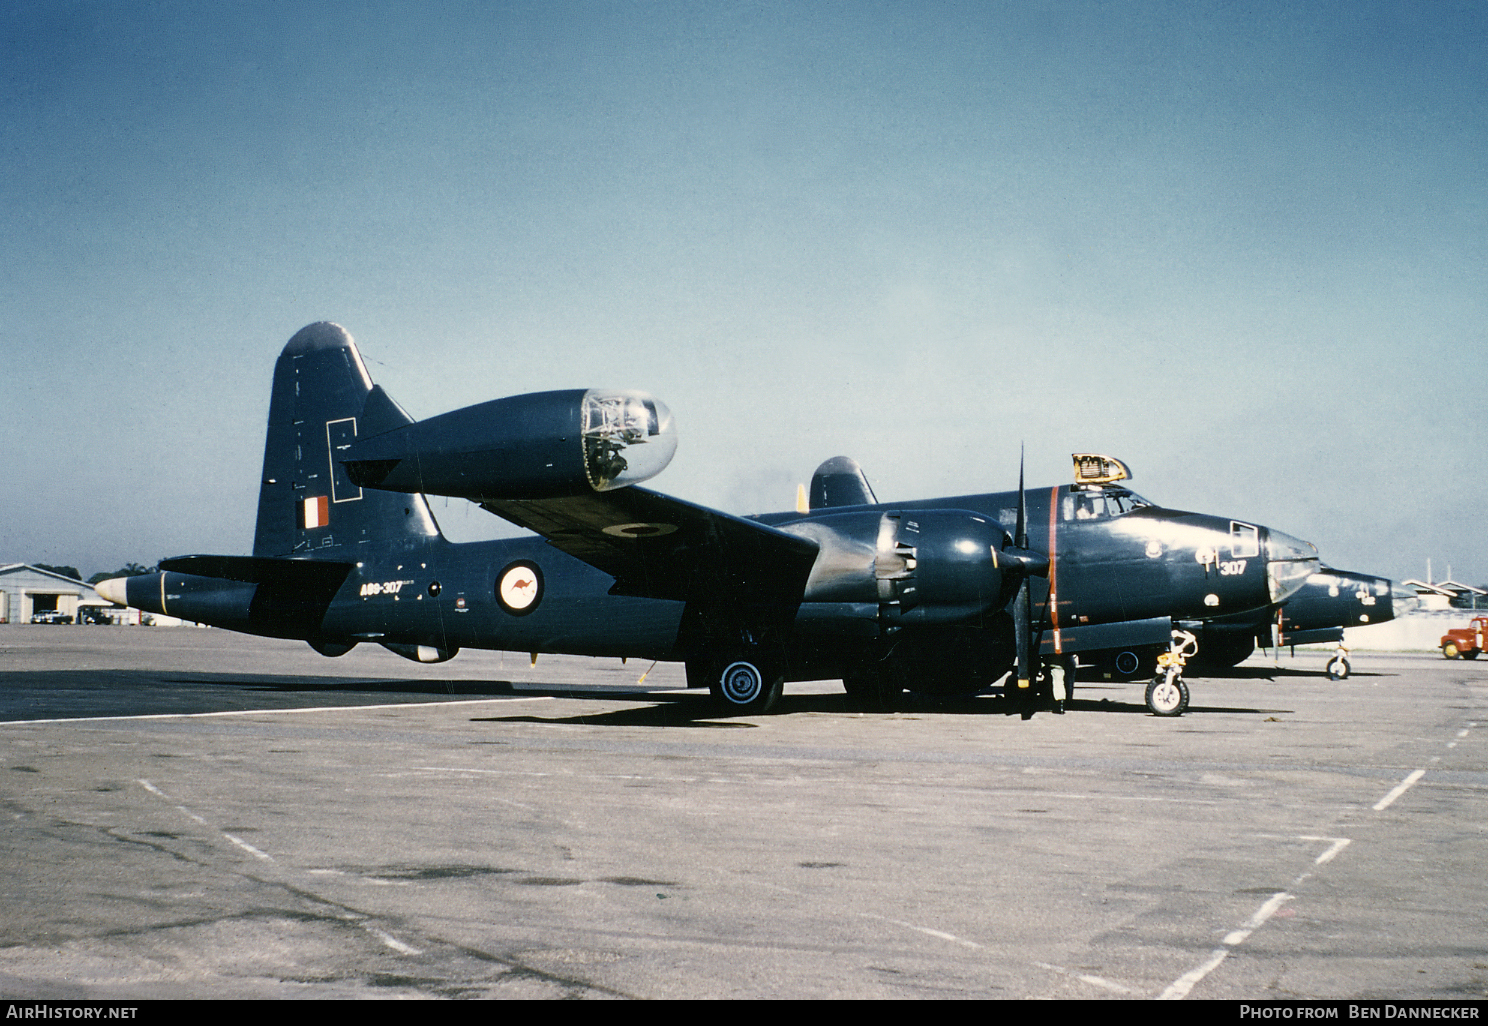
(1167, 695)
(1338, 666)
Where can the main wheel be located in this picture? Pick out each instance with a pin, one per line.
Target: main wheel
(746, 687)
(1167, 696)
(1451, 651)
(1338, 668)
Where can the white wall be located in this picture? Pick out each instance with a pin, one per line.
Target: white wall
(1418, 632)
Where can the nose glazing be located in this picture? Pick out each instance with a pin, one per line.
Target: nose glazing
(1289, 562)
(1403, 600)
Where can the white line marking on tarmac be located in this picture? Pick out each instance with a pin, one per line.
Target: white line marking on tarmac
(1094, 981)
(382, 935)
(1180, 987)
(1400, 789)
(267, 712)
(250, 849)
(1185, 983)
(1339, 843)
(247, 847)
(1263, 913)
(927, 931)
(392, 942)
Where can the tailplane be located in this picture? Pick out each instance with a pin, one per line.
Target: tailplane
(323, 400)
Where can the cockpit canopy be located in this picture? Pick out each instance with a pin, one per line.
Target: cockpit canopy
(1096, 504)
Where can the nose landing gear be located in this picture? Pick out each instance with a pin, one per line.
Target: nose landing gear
(1167, 695)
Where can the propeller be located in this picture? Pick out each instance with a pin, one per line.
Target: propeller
(1029, 564)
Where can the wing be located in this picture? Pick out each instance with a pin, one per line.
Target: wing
(656, 546)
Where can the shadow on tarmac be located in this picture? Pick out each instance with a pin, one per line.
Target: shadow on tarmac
(696, 709)
(79, 694)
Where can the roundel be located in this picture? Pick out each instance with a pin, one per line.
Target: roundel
(639, 530)
(519, 588)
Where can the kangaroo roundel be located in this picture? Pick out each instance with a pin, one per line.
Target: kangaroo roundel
(519, 588)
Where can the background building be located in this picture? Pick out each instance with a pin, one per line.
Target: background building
(27, 590)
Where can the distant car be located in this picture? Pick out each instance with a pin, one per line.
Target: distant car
(51, 616)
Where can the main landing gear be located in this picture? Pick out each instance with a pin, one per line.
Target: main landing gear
(750, 684)
(1167, 695)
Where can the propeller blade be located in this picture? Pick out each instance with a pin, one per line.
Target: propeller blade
(1020, 532)
(1023, 637)
(1027, 563)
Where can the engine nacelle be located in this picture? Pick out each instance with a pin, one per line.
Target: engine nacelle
(524, 447)
(917, 566)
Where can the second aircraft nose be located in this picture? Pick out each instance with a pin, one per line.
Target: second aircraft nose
(1289, 562)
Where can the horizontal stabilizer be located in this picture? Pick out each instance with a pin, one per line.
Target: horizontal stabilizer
(314, 574)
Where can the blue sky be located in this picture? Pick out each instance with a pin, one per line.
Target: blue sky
(1240, 246)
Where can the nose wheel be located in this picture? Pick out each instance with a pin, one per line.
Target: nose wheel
(1167, 695)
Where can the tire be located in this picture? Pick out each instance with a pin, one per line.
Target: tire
(1471, 653)
(1339, 668)
(1450, 650)
(1167, 697)
(744, 687)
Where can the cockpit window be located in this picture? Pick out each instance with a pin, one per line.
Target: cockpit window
(1094, 505)
(1245, 540)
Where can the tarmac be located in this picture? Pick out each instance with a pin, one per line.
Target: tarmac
(192, 813)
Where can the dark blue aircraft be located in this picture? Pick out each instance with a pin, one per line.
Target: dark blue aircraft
(941, 596)
(1317, 612)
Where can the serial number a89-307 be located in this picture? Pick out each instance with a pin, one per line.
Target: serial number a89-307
(382, 588)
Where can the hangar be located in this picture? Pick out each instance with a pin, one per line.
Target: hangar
(27, 590)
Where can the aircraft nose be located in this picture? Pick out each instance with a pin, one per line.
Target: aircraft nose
(1289, 562)
(1403, 600)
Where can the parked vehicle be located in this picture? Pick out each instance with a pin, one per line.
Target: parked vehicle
(1465, 642)
(51, 616)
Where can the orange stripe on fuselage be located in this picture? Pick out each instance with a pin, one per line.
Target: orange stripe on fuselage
(1053, 575)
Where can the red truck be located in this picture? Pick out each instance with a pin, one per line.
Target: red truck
(1465, 642)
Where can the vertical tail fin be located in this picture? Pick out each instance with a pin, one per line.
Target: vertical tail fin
(323, 399)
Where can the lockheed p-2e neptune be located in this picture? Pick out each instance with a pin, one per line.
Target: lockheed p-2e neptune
(942, 596)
